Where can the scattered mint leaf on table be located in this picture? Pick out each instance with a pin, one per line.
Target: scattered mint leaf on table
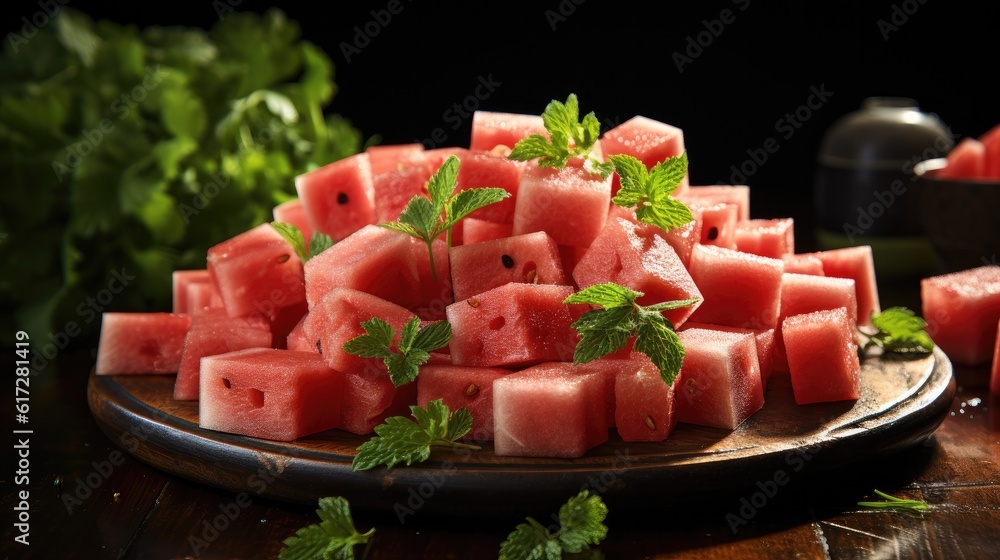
(569, 137)
(333, 538)
(892, 502)
(581, 521)
(415, 345)
(901, 331)
(607, 330)
(400, 439)
(649, 191)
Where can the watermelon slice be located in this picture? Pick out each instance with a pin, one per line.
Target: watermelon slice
(458, 387)
(477, 231)
(739, 289)
(294, 212)
(491, 129)
(767, 238)
(648, 140)
(212, 334)
(193, 291)
(393, 189)
(298, 340)
(139, 343)
(962, 309)
(270, 394)
(822, 356)
(570, 204)
(967, 160)
(434, 292)
(549, 410)
(532, 258)
(338, 197)
(370, 398)
(858, 264)
(719, 383)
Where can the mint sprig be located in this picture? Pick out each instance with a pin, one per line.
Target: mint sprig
(892, 502)
(607, 330)
(581, 524)
(401, 440)
(428, 217)
(334, 537)
(317, 244)
(899, 330)
(415, 345)
(649, 191)
(569, 137)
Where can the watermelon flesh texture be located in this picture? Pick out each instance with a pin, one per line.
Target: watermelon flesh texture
(962, 309)
(294, 212)
(739, 289)
(712, 194)
(434, 291)
(389, 157)
(644, 403)
(767, 238)
(180, 280)
(765, 340)
(638, 257)
(570, 204)
(822, 356)
(212, 334)
(804, 293)
(803, 264)
(967, 160)
(995, 372)
(532, 258)
(269, 393)
(141, 343)
(339, 198)
(717, 222)
(549, 410)
(648, 140)
(719, 383)
(202, 296)
(393, 189)
(480, 169)
(682, 239)
(491, 129)
(256, 272)
(462, 387)
(298, 340)
(858, 264)
(370, 398)
(991, 152)
(477, 231)
(513, 325)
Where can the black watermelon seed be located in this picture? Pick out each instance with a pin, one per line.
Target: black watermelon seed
(342, 198)
(713, 234)
(507, 261)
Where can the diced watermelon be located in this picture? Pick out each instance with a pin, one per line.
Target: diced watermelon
(181, 279)
(389, 157)
(373, 259)
(682, 239)
(569, 204)
(858, 264)
(804, 293)
(764, 338)
(294, 212)
(491, 129)
(513, 325)
(962, 309)
(717, 222)
(571, 256)
(638, 257)
(211, 334)
(710, 194)
(719, 383)
(393, 189)
(479, 169)
(739, 289)
(458, 387)
(991, 152)
(269, 393)
(434, 291)
(767, 238)
(338, 197)
(370, 398)
(995, 372)
(256, 272)
(298, 340)
(281, 326)
(549, 410)
(477, 231)
(532, 258)
(644, 403)
(650, 141)
(139, 343)
(967, 160)
(803, 264)
(203, 296)
(822, 356)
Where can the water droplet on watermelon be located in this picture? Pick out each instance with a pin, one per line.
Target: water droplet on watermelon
(507, 261)
(342, 198)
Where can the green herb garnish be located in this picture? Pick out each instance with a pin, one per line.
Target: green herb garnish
(422, 218)
(415, 345)
(400, 439)
(901, 331)
(569, 137)
(333, 538)
(607, 330)
(892, 502)
(649, 190)
(317, 244)
(581, 524)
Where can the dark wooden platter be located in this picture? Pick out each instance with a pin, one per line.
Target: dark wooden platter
(902, 403)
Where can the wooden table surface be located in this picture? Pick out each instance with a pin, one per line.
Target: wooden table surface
(90, 499)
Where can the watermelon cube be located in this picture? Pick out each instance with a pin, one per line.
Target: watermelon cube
(719, 383)
(764, 338)
(393, 189)
(570, 204)
(682, 239)
(734, 194)
(211, 334)
(513, 325)
(298, 340)
(962, 309)
(995, 372)
(803, 264)
(858, 264)
(991, 152)
(532, 258)
(202, 296)
(458, 387)
(477, 231)
(338, 197)
(140, 343)
(717, 222)
(181, 279)
(549, 410)
(739, 289)
(388, 157)
(638, 257)
(270, 394)
(822, 356)
(804, 293)
(767, 238)
(373, 259)
(481, 169)
(294, 212)
(370, 398)
(650, 141)
(967, 160)
(256, 272)
(491, 129)
(645, 407)
(434, 290)
(571, 256)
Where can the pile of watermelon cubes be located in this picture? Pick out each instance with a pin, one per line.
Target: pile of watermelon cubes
(257, 337)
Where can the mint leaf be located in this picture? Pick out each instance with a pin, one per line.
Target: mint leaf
(414, 349)
(605, 295)
(376, 343)
(655, 337)
(318, 243)
(536, 146)
(293, 236)
(442, 183)
(468, 201)
(581, 521)
(333, 537)
(568, 136)
(401, 440)
(650, 191)
(901, 331)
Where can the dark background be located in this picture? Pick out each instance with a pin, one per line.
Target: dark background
(618, 57)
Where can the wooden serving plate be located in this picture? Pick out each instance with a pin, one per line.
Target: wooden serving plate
(902, 403)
